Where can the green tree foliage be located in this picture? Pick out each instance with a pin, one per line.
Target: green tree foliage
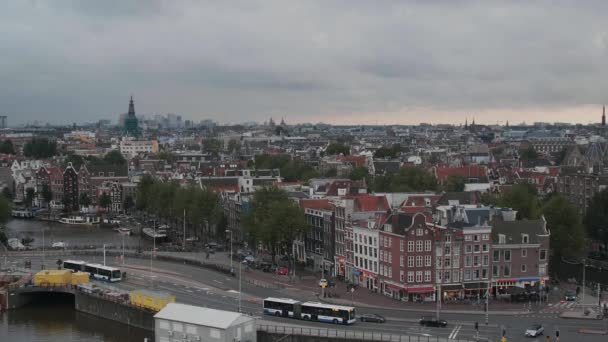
(454, 183)
(166, 156)
(5, 209)
(75, 159)
(331, 172)
(596, 217)
(528, 154)
(359, 173)
(6, 147)
(524, 199)
(567, 233)
(234, 146)
(144, 192)
(337, 148)
(114, 157)
(385, 152)
(407, 179)
(213, 146)
(84, 200)
(40, 148)
(274, 220)
(291, 170)
(47, 194)
(105, 201)
(30, 193)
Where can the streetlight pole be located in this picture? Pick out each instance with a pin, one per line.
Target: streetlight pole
(584, 268)
(43, 252)
(104, 254)
(153, 247)
(184, 239)
(230, 232)
(240, 288)
(123, 249)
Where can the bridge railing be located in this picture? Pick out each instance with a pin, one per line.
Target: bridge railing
(349, 335)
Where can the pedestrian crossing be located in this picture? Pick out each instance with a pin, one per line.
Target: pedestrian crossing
(558, 307)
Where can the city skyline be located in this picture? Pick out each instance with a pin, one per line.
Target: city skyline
(357, 62)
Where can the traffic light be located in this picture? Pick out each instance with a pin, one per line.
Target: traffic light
(504, 332)
(556, 333)
(476, 326)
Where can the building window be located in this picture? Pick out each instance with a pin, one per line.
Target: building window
(427, 245)
(447, 262)
(484, 273)
(410, 246)
(508, 255)
(475, 237)
(390, 258)
(485, 237)
(496, 256)
(447, 250)
(410, 277)
(419, 246)
(419, 276)
(427, 276)
(476, 249)
(468, 249)
(486, 260)
(523, 268)
(448, 238)
(418, 260)
(484, 248)
(410, 261)
(476, 261)
(456, 262)
(401, 276)
(438, 250)
(524, 253)
(468, 238)
(401, 263)
(525, 238)
(467, 261)
(502, 239)
(455, 276)
(419, 232)
(542, 270)
(456, 250)
(543, 254)
(438, 261)
(427, 260)
(507, 271)
(401, 243)
(495, 271)
(467, 275)
(475, 274)
(446, 276)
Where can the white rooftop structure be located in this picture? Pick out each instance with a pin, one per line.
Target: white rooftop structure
(197, 315)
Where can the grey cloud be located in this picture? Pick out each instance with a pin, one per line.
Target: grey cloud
(243, 60)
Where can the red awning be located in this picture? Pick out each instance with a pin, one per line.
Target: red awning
(420, 289)
(394, 287)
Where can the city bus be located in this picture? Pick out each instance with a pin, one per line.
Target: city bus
(309, 311)
(105, 273)
(74, 265)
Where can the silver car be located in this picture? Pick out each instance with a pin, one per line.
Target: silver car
(535, 330)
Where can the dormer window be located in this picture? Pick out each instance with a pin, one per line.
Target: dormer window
(502, 239)
(525, 238)
(101, 174)
(419, 232)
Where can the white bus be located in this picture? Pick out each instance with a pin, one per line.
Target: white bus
(101, 272)
(328, 313)
(280, 307)
(309, 311)
(74, 265)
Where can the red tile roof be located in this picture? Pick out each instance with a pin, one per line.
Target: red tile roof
(442, 173)
(367, 202)
(318, 204)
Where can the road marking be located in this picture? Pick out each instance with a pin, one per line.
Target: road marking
(455, 332)
(217, 281)
(233, 291)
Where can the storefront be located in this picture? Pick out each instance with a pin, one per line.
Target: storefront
(392, 290)
(421, 294)
(452, 292)
(366, 278)
(340, 268)
(475, 290)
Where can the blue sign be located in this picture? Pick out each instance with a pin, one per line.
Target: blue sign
(356, 272)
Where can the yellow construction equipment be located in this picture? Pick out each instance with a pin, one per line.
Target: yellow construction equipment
(51, 278)
(150, 300)
(79, 278)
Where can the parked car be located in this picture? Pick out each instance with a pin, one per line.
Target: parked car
(265, 266)
(534, 330)
(282, 271)
(430, 321)
(58, 245)
(570, 296)
(372, 318)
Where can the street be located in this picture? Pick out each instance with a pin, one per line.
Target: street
(204, 287)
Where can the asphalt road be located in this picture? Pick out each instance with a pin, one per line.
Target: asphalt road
(197, 286)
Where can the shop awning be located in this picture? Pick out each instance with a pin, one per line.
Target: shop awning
(475, 286)
(420, 289)
(393, 287)
(457, 287)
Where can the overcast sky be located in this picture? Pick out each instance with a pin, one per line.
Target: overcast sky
(344, 61)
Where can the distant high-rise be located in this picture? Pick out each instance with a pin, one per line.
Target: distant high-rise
(604, 116)
(3, 121)
(131, 124)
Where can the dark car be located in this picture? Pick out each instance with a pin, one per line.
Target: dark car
(433, 322)
(570, 296)
(372, 318)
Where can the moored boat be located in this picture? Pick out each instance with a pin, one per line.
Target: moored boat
(82, 220)
(158, 235)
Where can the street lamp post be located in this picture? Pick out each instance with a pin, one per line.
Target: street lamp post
(583, 289)
(230, 232)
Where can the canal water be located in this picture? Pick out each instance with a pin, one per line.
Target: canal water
(55, 320)
(74, 236)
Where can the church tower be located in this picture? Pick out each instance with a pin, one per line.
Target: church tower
(131, 124)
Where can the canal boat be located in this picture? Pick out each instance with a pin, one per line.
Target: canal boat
(123, 231)
(158, 235)
(22, 213)
(80, 220)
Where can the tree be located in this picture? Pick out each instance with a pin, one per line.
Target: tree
(388, 152)
(528, 154)
(524, 199)
(359, 173)
(105, 201)
(47, 194)
(114, 157)
(75, 159)
(30, 193)
(331, 172)
(274, 220)
(84, 200)
(144, 192)
(596, 217)
(567, 233)
(337, 148)
(407, 179)
(40, 148)
(166, 156)
(128, 203)
(213, 146)
(5, 209)
(6, 147)
(454, 183)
